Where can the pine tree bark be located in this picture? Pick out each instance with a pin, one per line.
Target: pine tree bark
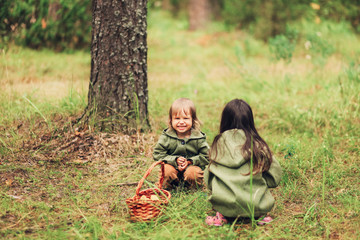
(118, 94)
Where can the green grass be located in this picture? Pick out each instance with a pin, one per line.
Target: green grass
(58, 183)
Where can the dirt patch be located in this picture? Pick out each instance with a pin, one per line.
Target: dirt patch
(58, 163)
(59, 142)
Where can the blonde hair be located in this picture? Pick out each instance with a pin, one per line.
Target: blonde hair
(186, 106)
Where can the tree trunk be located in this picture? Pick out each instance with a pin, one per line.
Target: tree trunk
(199, 14)
(166, 5)
(118, 94)
(54, 7)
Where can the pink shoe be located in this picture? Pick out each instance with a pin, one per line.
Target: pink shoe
(217, 220)
(265, 220)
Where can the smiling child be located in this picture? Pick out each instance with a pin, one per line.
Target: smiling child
(182, 146)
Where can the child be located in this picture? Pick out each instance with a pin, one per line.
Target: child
(182, 146)
(229, 172)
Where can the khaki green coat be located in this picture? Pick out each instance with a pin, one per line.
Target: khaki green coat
(169, 147)
(230, 186)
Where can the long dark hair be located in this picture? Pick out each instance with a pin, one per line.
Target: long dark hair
(237, 114)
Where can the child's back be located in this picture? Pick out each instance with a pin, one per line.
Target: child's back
(229, 180)
(242, 167)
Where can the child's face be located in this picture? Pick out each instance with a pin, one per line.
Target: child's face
(181, 122)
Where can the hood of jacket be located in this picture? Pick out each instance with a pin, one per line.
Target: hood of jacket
(195, 134)
(229, 149)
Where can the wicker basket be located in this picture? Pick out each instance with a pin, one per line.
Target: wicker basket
(148, 204)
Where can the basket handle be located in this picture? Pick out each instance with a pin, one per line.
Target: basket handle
(161, 180)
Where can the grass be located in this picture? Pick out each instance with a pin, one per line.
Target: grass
(58, 183)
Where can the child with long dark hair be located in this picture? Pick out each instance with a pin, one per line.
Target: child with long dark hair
(241, 170)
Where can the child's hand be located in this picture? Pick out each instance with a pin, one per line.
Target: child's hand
(182, 163)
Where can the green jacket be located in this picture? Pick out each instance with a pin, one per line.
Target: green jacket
(170, 147)
(230, 185)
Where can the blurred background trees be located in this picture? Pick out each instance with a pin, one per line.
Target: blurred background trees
(62, 24)
(55, 24)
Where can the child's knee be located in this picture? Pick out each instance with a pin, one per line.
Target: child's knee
(193, 173)
(170, 171)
